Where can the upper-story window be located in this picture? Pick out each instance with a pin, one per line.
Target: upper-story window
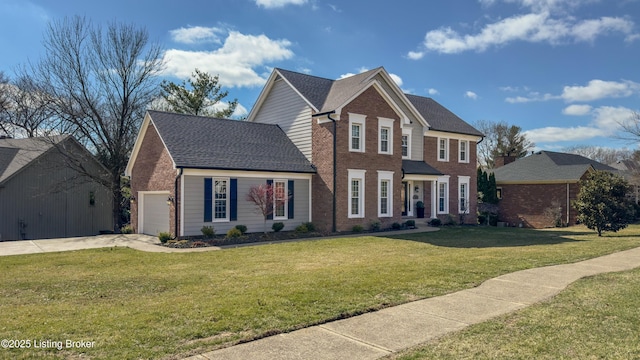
(385, 136)
(463, 150)
(406, 143)
(443, 149)
(356, 132)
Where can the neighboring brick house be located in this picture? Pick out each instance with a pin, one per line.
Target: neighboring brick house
(392, 149)
(544, 180)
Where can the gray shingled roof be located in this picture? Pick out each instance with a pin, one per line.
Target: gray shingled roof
(439, 117)
(210, 143)
(16, 154)
(415, 167)
(545, 166)
(327, 95)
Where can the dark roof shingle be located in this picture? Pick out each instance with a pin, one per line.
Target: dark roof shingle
(211, 143)
(415, 167)
(439, 117)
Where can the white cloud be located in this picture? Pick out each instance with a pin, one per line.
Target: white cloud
(397, 79)
(538, 26)
(532, 97)
(577, 110)
(196, 34)
(272, 4)
(599, 89)
(433, 91)
(234, 62)
(606, 122)
(471, 95)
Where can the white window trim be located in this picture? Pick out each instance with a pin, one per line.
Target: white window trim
(385, 176)
(356, 174)
(358, 120)
(385, 123)
(443, 180)
(213, 201)
(407, 133)
(466, 142)
(463, 180)
(286, 202)
(446, 149)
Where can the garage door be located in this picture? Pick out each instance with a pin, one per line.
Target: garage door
(155, 214)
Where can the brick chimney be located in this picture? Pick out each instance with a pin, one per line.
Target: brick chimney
(503, 160)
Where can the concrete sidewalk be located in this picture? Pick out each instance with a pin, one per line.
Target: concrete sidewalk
(377, 334)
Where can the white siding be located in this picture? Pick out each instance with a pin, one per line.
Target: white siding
(248, 214)
(283, 106)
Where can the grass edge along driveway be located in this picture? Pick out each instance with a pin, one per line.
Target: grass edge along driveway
(148, 305)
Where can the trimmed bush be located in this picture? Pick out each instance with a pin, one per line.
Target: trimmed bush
(375, 225)
(242, 228)
(208, 232)
(435, 222)
(310, 226)
(302, 228)
(450, 221)
(277, 226)
(410, 223)
(164, 237)
(357, 229)
(127, 229)
(233, 233)
(396, 226)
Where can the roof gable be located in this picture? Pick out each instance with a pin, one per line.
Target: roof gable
(212, 143)
(17, 154)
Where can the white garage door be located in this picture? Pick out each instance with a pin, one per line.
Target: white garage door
(155, 214)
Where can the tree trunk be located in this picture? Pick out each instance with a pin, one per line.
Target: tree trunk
(117, 200)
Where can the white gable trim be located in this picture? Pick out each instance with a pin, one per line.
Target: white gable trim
(403, 117)
(266, 90)
(451, 135)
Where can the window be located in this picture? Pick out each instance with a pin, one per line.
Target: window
(406, 143)
(385, 136)
(221, 199)
(356, 132)
(463, 146)
(385, 193)
(443, 195)
(443, 149)
(280, 199)
(356, 193)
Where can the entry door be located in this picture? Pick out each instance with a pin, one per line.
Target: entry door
(405, 198)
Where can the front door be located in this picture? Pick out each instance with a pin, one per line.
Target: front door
(405, 198)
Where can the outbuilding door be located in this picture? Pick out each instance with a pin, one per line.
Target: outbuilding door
(155, 214)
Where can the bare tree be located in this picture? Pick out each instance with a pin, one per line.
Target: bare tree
(100, 84)
(630, 128)
(600, 154)
(501, 139)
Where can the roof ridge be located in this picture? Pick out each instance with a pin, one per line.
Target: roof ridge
(301, 73)
(209, 117)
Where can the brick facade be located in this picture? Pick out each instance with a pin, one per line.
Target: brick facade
(371, 104)
(454, 168)
(153, 171)
(525, 203)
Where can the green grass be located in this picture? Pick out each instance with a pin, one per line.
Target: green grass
(148, 305)
(595, 318)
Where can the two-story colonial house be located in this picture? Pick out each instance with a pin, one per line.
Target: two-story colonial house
(363, 152)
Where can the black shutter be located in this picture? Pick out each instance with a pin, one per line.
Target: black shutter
(290, 205)
(208, 200)
(233, 206)
(270, 216)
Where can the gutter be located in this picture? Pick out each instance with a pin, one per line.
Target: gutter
(335, 157)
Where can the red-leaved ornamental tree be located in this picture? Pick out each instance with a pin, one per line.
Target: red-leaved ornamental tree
(266, 198)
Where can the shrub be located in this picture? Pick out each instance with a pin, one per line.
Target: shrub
(310, 226)
(208, 232)
(164, 237)
(375, 225)
(420, 205)
(449, 221)
(482, 219)
(242, 228)
(553, 214)
(357, 228)
(233, 233)
(277, 226)
(127, 229)
(396, 226)
(410, 223)
(435, 222)
(302, 228)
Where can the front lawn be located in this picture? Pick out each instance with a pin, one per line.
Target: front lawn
(148, 305)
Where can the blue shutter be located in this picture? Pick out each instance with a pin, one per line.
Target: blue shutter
(208, 200)
(290, 205)
(233, 206)
(270, 216)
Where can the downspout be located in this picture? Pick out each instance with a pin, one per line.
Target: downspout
(568, 204)
(175, 203)
(335, 157)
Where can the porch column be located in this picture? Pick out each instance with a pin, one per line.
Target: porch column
(434, 198)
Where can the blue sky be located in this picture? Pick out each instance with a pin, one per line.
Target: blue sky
(566, 71)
